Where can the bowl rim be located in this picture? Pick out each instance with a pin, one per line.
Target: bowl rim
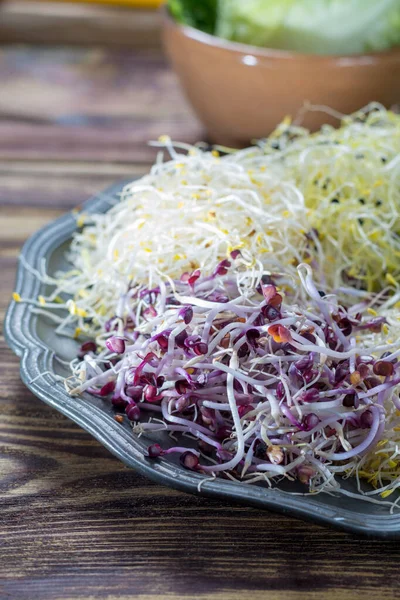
(208, 39)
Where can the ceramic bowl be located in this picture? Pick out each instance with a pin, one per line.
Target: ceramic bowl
(241, 92)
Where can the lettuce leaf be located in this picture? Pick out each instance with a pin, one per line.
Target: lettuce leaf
(201, 14)
(312, 26)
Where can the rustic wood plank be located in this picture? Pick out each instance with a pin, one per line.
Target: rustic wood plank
(64, 185)
(89, 105)
(50, 142)
(28, 21)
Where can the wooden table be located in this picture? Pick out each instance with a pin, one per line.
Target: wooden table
(74, 522)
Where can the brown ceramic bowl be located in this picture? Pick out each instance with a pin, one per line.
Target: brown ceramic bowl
(241, 92)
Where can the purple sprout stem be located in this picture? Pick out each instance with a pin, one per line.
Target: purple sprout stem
(288, 414)
(191, 427)
(180, 450)
(151, 407)
(374, 433)
(379, 388)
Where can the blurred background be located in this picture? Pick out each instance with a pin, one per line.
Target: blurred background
(85, 82)
(89, 81)
(85, 85)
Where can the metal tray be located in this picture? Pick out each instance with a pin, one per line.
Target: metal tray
(32, 338)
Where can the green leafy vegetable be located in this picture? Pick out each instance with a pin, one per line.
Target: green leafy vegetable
(315, 26)
(199, 14)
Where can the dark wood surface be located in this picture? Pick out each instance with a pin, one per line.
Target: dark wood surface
(74, 522)
(59, 21)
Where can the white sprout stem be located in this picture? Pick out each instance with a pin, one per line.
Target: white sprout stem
(361, 447)
(231, 464)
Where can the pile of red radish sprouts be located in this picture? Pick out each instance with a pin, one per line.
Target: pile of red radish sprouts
(263, 388)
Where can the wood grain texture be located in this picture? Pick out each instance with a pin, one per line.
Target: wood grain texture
(30, 21)
(74, 522)
(88, 105)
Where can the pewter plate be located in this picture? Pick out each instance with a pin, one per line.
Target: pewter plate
(33, 339)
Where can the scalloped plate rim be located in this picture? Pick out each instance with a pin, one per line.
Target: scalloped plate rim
(19, 335)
